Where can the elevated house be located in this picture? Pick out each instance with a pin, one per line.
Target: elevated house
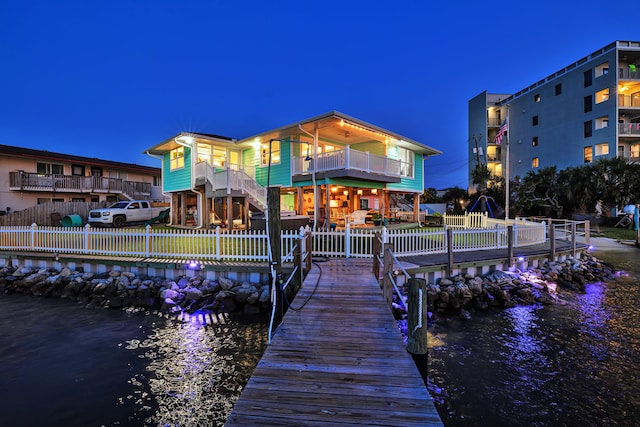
(326, 166)
(32, 177)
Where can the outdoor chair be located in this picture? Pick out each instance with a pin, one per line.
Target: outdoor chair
(358, 218)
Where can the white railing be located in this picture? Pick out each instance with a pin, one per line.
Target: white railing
(232, 179)
(466, 221)
(183, 244)
(347, 159)
(241, 245)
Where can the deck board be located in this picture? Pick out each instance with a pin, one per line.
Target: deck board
(338, 361)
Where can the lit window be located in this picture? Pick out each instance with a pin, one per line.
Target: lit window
(588, 154)
(406, 161)
(275, 153)
(176, 158)
(536, 98)
(534, 141)
(602, 96)
(602, 149)
(602, 69)
(535, 162)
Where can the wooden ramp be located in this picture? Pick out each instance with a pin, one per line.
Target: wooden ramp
(339, 360)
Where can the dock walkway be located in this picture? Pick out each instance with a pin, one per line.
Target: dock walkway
(338, 359)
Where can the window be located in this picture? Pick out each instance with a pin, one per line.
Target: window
(176, 158)
(558, 89)
(588, 154)
(635, 150)
(275, 153)
(602, 122)
(534, 120)
(588, 129)
(535, 162)
(406, 162)
(77, 170)
(536, 97)
(78, 199)
(602, 69)
(49, 168)
(534, 141)
(588, 78)
(157, 181)
(214, 156)
(602, 96)
(602, 149)
(588, 103)
(96, 171)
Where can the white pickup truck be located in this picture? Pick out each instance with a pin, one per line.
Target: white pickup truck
(121, 213)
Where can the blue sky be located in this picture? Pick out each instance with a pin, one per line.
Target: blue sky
(109, 79)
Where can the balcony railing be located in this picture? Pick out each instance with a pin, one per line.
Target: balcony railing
(27, 181)
(629, 129)
(629, 100)
(349, 159)
(626, 73)
(232, 179)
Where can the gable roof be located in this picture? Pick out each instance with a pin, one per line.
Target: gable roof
(51, 156)
(172, 142)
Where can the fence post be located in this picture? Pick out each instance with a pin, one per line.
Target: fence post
(387, 286)
(87, 240)
(309, 247)
(449, 251)
(417, 316)
(552, 241)
(510, 245)
(347, 240)
(376, 253)
(515, 233)
(32, 242)
(297, 262)
(573, 239)
(218, 250)
(147, 243)
(587, 232)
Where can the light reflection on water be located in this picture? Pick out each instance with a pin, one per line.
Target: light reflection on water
(571, 364)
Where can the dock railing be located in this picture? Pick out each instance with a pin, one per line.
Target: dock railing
(413, 298)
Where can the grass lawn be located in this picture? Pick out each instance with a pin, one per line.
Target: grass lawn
(614, 233)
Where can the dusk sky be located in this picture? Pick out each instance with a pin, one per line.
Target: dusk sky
(110, 79)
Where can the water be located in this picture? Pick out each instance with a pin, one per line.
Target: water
(62, 364)
(573, 364)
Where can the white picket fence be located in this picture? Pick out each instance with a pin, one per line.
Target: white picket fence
(240, 245)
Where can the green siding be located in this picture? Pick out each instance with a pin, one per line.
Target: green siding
(179, 179)
(280, 173)
(373, 147)
(415, 184)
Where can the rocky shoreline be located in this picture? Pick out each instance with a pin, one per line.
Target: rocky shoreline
(122, 290)
(464, 294)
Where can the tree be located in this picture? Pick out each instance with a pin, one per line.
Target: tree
(457, 198)
(430, 195)
(539, 193)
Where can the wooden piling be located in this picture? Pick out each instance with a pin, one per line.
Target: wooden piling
(417, 316)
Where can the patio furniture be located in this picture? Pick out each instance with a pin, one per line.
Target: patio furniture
(358, 218)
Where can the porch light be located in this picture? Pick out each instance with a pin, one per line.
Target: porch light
(334, 189)
(359, 192)
(374, 191)
(345, 192)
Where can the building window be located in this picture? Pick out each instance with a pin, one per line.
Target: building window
(78, 199)
(588, 154)
(157, 181)
(536, 97)
(602, 96)
(216, 157)
(558, 88)
(406, 161)
(534, 120)
(602, 149)
(588, 129)
(77, 170)
(535, 162)
(588, 103)
(176, 158)
(534, 141)
(602, 69)
(588, 78)
(602, 122)
(49, 168)
(635, 151)
(275, 153)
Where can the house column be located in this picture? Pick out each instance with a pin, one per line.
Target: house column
(229, 213)
(416, 207)
(246, 213)
(300, 201)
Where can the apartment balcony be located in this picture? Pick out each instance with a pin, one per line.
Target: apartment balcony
(26, 181)
(494, 157)
(494, 122)
(629, 129)
(625, 73)
(629, 101)
(349, 163)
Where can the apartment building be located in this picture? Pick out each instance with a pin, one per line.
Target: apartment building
(30, 177)
(588, 110)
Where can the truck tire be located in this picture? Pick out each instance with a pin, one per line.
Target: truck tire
(119, 221)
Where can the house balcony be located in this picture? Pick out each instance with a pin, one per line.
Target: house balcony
(26, 181)
(349, 163)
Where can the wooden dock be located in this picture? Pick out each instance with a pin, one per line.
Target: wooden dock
(338, 359)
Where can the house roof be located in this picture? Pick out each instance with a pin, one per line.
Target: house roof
(342, 128)
(333, 125)
(9, 150)
(173, 142)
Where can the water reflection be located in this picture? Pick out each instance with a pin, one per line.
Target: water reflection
(193, 377)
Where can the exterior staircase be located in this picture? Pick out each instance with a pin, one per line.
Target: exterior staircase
(232, 182)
